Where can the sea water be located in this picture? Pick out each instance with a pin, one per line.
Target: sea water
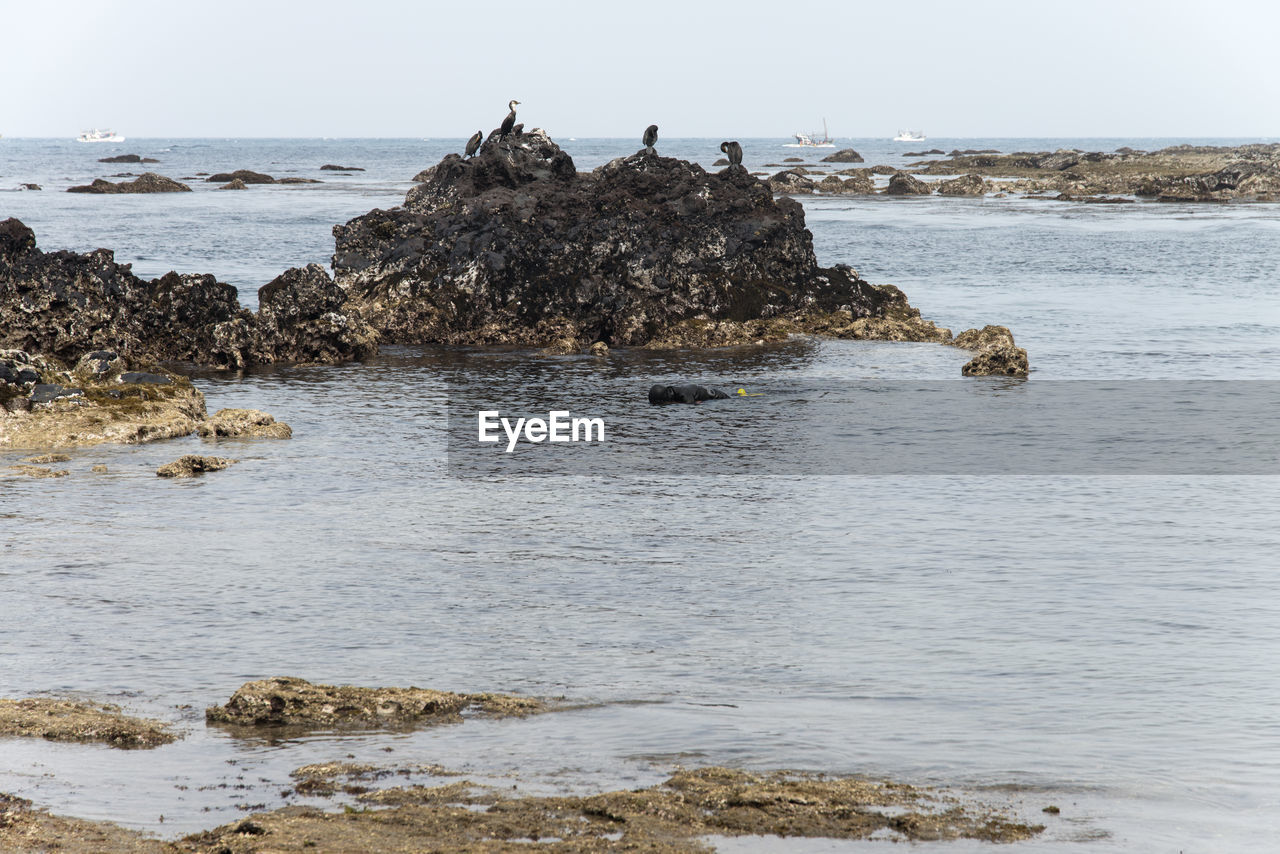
(1106, 644)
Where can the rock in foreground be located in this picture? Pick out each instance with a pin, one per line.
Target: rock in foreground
(43, 405)
(289, 701)
(997, 354)
(516, 247)
(674, 816)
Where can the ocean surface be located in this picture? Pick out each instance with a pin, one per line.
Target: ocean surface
(1109, 644)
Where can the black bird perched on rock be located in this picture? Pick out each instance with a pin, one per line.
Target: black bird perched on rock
(650, 137)
(473, 144)
(734, 151)
(510, 121)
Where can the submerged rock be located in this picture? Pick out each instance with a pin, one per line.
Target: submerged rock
(127, 158)
(194, 464)
(234, 184)
(245, 175)
(516, 247)
(244, 424)
(332, 167)
(285, 700)
(147, 182)
(71, 720)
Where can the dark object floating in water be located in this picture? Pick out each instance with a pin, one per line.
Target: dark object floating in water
(332, 167)
(687, 393)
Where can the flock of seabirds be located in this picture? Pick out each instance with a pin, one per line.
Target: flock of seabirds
(509, 127)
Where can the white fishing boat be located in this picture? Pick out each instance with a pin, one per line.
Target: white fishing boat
(96, 135)
(806, 140)
(909, 136)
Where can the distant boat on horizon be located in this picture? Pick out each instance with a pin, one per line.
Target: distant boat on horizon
(806, 140)
(909, 136)
(96, 135)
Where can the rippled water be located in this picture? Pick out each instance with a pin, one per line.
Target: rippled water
(1110, 645)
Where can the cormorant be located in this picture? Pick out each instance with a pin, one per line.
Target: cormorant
(734, 151)
(650, 137)
(510, 121)
(473, 144)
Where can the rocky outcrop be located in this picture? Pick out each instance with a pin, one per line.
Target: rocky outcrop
(333, 167)
(791, 182)
(147, 182)
(833, 184)
(235, 184)
(997, 354)
(1178, 173)
(63, 304)
(303, 317)
(245, 175)
(844, 155)
(902, 184)
(515, 246)
(289, 701)
(998, 361)
(43, 405)
(965, 185)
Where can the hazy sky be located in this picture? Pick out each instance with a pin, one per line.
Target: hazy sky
(378, 68)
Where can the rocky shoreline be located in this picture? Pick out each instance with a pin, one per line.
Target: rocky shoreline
(685, 813)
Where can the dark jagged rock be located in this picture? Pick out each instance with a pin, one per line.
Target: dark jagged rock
(244, 175)
(147, 182)
(832, 184)
(63, 304)
(881, 169)
(790, 182)
(302, 317)
(997, 354)
(235, 184)
(902, 184)
(844, 155)
(29, 186)
(516, 247)
(331, 167)
(127, 158)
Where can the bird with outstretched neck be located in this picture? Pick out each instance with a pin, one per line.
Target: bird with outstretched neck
(510, 121)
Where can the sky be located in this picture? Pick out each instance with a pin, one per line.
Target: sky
(378, 68)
